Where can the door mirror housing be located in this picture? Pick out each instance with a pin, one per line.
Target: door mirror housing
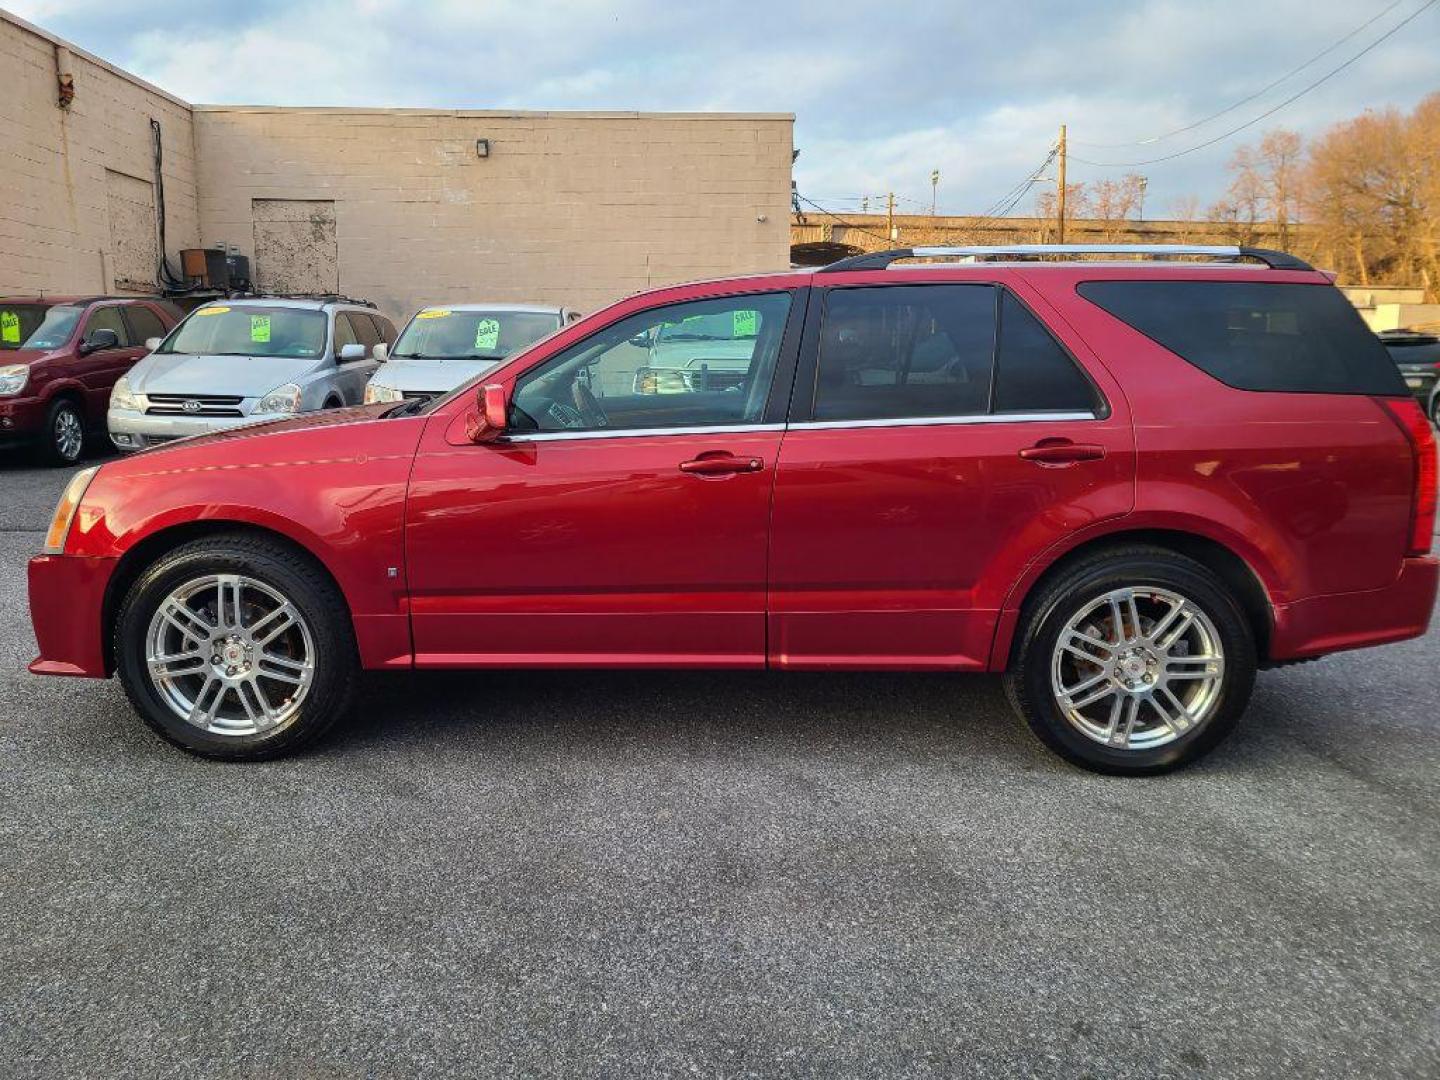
(381, 352)
(100, 339)
(353, 351)
(492, 408)
(153, 343)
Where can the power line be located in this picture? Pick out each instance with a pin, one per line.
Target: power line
(1246, 100)
(837, 217)
(1268, 112)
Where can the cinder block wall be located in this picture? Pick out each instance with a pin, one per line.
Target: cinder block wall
(573, 208)
(77, 198)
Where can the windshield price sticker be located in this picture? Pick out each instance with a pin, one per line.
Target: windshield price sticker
(747, 323)
(10, 326)
(487, 334)
(433, 315)
(212, 311)
(259, 327)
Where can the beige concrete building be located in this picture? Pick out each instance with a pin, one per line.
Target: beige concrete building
(401, 206)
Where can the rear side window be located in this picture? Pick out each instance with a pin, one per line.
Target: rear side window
(1257, 336)
(1032, 372)
(905, 351)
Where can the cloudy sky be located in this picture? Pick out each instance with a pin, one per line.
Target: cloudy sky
(883, 92)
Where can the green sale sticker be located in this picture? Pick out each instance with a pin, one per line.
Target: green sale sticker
(487, 334)
(259, 327)
(10, 327)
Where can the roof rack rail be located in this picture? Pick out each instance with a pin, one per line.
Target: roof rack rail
(321, 297)
(880, 260)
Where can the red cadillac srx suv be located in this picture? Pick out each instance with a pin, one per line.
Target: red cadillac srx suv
(1125, 484)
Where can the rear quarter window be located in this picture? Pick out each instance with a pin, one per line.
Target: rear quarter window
(1278, 337)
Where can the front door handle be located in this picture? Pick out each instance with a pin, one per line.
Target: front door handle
(1062, 452)
(721, 464)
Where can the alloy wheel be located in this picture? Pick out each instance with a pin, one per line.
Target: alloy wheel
(1137, 668)
(230, 655)
(68, 433)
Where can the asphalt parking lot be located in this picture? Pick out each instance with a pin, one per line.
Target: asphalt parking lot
(627, 874)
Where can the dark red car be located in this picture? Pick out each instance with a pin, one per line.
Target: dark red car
(1126, 485)
(59, 358)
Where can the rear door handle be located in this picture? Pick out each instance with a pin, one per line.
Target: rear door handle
(721, 464)
(1062, 452)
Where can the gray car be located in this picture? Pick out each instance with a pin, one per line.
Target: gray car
(234, 362)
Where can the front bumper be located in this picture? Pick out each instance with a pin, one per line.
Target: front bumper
(21, 419)
(131, 430)
(1327, 624)
(67, 598)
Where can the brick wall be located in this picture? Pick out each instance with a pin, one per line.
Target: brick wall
(77, 209)
(569, 208)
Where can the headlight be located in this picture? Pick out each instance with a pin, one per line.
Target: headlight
(283, 399)
(375, 392)
(122, 398)
(65, 511)
(13, 378)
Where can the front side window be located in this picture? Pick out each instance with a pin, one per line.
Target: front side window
(706, 362)
(108, 318)
(450, 334)
(36, 326)
(905, 351)
(250, 330)
(144, 323)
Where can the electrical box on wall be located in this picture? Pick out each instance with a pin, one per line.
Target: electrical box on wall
(205, 267)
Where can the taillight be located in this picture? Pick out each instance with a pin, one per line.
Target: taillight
(1411, 418)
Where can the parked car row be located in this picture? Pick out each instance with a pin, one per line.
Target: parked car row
(1126, 485)
(141, 371)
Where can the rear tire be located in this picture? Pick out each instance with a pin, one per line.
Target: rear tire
(63, 441)
(1098, 678)
(259, 655)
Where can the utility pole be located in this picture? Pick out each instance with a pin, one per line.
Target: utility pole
(890, 216)
(1060, 188)
(934, 189)
(1144, 184)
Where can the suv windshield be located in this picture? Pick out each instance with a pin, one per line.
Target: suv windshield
(36, 326)
(446, 334)
(249, 330)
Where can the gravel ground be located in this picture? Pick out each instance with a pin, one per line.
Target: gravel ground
(622, 874)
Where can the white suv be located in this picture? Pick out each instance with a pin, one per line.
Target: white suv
(234, 362)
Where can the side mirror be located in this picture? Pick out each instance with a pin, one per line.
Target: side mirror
(381, 352)
(153, 343)
(100, 339)
(353, 351)
(492, 414)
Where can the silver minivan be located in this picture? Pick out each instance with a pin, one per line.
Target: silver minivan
(235, 362)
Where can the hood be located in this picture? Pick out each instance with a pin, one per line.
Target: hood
(23, 356)
(239, 376)
(721, 354)
(320, 419)
(430, 376)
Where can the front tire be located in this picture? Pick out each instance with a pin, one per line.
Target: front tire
(64, 439)
(236, 647)
(1133, 661)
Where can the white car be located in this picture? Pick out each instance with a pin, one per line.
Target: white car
(234, 362)
(449, 344)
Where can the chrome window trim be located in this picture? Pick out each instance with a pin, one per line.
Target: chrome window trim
(943, 421)
(639, 433)
(808, 425)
